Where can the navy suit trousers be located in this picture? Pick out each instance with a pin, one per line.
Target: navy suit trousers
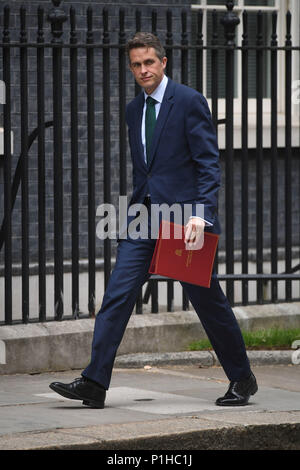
(127, 278)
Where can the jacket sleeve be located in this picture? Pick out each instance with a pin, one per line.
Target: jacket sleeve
(204, 152)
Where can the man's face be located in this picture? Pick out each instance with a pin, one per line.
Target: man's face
(147, 68)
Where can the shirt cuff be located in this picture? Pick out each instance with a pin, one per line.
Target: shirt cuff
(197, 217)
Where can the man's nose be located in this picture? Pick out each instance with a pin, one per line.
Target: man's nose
(143, 68)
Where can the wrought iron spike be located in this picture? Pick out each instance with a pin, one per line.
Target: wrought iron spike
(230, 21)
(56, 17)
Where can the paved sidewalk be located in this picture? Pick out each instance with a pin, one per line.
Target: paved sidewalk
(159, 407)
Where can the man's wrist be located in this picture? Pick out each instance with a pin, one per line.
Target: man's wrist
(201, 218)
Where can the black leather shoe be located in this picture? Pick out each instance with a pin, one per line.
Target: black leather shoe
(89, 392)
(238, 393)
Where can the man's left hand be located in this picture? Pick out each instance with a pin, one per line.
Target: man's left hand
(194, 234)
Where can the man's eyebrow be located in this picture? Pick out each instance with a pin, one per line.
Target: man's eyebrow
(144, 61)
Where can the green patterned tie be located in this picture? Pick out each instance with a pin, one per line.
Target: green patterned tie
(150, 122)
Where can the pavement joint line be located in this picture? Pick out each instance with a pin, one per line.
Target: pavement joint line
(156, 369)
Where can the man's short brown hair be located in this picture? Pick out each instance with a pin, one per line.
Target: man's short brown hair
(146, 40)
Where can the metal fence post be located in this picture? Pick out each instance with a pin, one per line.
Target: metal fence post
(259, 156)
(7, 167)
(245, 159)
(230, 22)
(288, 157)
(274, 158)
(56, 17)
(91, 160)
(74, 163)
(24, 150)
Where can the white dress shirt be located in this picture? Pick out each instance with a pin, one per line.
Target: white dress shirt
(157, 95)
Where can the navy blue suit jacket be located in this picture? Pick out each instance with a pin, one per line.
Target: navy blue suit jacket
(184, 160)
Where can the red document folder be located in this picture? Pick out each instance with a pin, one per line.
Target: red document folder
(171, 259)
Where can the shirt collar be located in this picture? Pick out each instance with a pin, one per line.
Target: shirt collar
(159, 91)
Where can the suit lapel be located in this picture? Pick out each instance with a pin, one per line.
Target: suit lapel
(165, 108)
(137, 127)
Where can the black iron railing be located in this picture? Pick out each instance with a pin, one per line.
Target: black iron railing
(110, 79)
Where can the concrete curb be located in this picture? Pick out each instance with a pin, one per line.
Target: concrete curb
(200, 358)
(187, 433)
(54, 346)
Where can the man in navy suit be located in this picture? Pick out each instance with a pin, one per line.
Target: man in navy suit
(175, 160)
